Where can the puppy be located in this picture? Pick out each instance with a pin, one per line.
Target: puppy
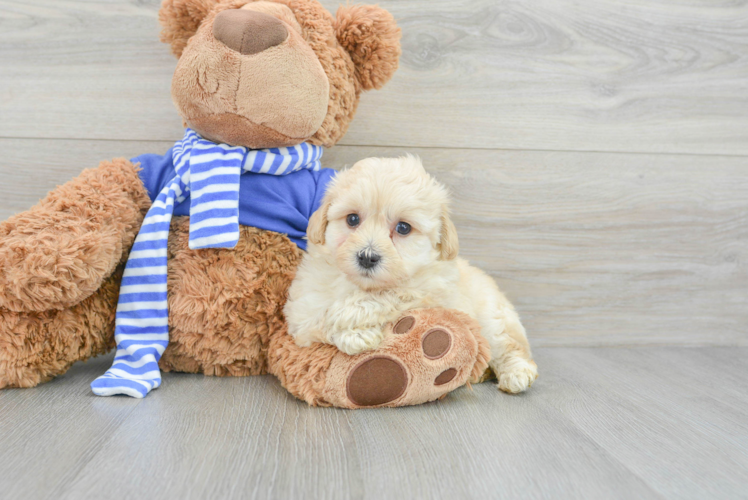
(383, 243)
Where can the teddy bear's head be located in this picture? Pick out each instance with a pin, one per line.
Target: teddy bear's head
(272, 73)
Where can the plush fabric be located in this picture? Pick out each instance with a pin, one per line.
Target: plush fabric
(323, 376)
(210, 174)
(248, 32)
(61, 310)
(372, 38)
(320, 104)
(276, 97)
(61, 262)
(225, 315)
(60, 251)
(225, 304)
(281, 204)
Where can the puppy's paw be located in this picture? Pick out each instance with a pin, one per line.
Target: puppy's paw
(357, 341)
(517, 375)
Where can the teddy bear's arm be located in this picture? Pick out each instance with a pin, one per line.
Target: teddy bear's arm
(60, 251)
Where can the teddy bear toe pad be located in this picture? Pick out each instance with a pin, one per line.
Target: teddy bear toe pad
(445, 376)
(426, 354)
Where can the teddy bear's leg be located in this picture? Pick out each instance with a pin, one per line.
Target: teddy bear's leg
(60, 268)
(425, 354)
(36, 347)
(302, 370)
(225, 303)
(61, 250)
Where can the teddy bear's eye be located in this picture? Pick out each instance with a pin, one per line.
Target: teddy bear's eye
(353, 220)
(402, 228)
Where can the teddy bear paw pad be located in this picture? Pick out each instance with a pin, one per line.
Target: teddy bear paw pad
(376, 381)
(436, 343)
(445, 377)
(428, 353)
(404, 325)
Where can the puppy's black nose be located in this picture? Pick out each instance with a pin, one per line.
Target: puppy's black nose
(367, 260)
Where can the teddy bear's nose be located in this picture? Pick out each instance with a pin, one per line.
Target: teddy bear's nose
(248, 32)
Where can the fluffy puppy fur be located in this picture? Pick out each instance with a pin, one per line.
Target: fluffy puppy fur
(383, 243)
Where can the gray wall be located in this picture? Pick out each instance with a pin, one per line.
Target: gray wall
(597, 151)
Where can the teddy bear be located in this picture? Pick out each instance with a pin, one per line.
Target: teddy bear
(270, 80)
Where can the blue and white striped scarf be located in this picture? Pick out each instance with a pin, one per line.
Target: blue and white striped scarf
(209, 174)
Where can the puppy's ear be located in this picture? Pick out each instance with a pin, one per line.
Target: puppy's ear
(372, 38)
(449, 244)
(180, 19)
(315, 232)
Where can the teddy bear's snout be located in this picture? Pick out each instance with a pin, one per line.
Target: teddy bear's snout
(248, 32)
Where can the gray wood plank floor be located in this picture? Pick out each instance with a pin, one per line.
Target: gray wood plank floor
(656, 422)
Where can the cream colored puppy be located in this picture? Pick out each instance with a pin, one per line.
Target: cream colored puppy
(383, 243)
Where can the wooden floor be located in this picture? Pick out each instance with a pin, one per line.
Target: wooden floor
(599, 423)
(597, 153)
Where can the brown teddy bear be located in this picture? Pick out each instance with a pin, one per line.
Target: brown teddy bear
(260, 76)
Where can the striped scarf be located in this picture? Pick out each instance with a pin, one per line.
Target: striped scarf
(209, 174)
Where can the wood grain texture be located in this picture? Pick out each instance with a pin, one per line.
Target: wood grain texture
(30, 168)
(47, 434)
(612, 75)
(592, 248)
(599, 423)
(601, 248)
(673, 409)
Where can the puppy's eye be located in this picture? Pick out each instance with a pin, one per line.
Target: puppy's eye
(402, 228)
(353, 220)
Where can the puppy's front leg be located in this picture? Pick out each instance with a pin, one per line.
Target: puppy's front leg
(357, 340)
(357, 325)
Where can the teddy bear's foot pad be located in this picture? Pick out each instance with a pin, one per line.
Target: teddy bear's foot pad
(426, 354)
(377, 380)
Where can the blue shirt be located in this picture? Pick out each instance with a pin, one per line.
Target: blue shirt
(280, 203)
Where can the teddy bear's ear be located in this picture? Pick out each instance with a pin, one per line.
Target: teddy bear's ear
(372, 38)
(180, 20)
